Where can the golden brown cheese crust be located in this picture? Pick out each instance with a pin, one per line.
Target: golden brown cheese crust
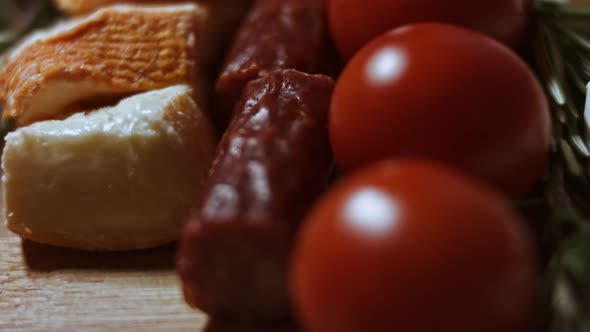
(120, 50)
(223, 19)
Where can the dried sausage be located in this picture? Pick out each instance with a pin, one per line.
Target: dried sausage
(272, 163)
(285, 34)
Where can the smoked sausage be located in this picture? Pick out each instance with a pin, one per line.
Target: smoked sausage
(276, 34)
(272, 163)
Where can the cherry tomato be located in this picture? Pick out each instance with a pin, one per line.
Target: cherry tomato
(446, 93)
(355, 22)
(409, 246)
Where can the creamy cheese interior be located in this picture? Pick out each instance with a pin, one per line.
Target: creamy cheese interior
(118, 178)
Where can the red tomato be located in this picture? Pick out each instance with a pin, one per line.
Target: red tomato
(412, 247)
(445, 93)
(355, 22)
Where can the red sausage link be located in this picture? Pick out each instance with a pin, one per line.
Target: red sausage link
(272, 163)
(276, 34)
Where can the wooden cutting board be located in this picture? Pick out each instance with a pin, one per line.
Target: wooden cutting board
(43, 288)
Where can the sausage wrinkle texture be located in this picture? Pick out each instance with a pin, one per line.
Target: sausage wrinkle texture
(287, 34)
(271, 165)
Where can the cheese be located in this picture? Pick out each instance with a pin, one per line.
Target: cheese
(118, 178)
(117, 50)
(222, 20)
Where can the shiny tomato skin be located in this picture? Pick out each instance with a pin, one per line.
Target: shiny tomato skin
(409, 246)
(445, 93)
(355, 22)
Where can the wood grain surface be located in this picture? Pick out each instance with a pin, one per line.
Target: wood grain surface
(44, 288)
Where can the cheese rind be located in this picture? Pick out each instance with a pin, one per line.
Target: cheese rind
(117, 50)
(119, 178)
(222, 20)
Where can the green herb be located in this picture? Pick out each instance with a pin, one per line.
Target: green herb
(561, 44)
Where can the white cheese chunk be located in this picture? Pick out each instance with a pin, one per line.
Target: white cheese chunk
(118, 178)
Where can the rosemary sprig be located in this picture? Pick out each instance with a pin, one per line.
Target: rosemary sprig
(561, 44)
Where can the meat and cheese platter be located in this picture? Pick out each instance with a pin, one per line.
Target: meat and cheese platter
(295, 165)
